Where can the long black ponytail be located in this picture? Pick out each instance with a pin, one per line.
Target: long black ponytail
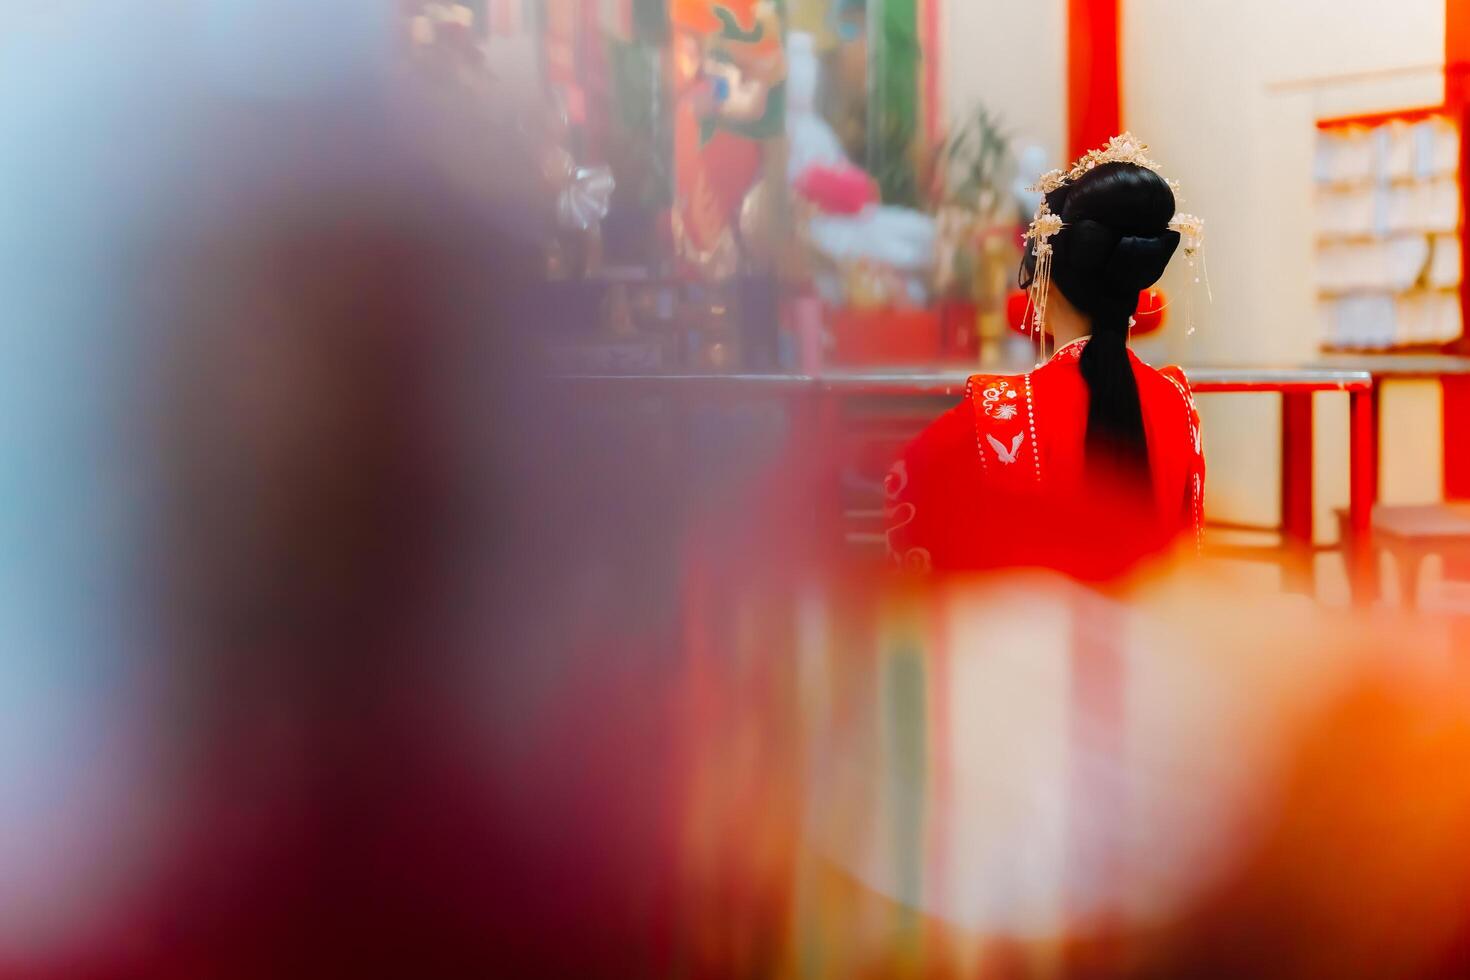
(1115, 241)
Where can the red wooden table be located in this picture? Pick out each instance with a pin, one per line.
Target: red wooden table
(1452, 373)
(1296, 386)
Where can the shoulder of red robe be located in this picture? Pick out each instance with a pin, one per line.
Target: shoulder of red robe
(1175, 376)
(1195, 490)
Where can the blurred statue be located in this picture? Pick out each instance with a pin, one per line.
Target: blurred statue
(729, 102)
(851, 227)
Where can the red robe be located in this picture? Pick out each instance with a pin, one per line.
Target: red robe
(999, 480)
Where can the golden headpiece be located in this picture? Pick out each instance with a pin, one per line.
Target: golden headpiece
(1123, 148)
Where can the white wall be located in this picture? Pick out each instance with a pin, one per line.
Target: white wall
(1211, 85)
(1010, 57)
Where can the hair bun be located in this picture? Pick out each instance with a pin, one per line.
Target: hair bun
(1138, 263)
(1084, 247)
(1093, 256)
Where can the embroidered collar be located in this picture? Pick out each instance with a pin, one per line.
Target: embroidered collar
(1071, 351)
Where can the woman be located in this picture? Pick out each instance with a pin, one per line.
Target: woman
(1092, 461)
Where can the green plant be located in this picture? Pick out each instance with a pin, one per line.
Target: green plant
(893, 163)
(894, 59)
(973, 163)
(967, 183)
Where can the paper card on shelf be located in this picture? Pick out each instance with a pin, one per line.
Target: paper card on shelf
(1395, 146)
(1346, 157)
(1444, 263)
(1425, 142)
(1446, 159)
(1406, 259)
(1402, 207)
(1366, 322)
(1347, 211)
(1413, 320)
(1449, 317)
(1442, 205)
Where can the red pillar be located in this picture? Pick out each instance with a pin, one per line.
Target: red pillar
(1094, 109)
(1457, 390)
(1456, 436)
(1456, 52)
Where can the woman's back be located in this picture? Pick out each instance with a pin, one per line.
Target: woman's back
(1003, 479)
(1092, 462)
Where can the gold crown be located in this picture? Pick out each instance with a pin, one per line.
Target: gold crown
(1123, 148)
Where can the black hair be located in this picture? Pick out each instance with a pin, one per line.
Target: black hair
(1115, 242)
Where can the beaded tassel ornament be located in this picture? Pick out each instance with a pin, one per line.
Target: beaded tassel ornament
(1041, 231)
(1192, 240)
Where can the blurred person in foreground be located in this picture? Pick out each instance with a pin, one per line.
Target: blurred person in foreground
(1093, 461)
(341, 644)
(339, 640)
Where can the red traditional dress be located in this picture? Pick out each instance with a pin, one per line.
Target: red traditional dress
(1000, 480)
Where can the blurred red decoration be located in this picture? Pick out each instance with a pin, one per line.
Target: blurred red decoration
(885, 336)
(1148, 319)
(1016, 303)
(1150, 315)
(837, 190)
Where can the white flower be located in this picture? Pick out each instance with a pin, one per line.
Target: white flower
(1005, 412)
